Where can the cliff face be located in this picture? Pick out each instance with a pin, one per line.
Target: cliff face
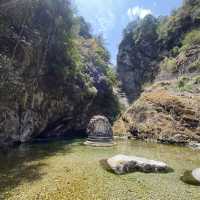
(164, 114)
(48, 86)
(168, 109)
(148, 41)
(137, 55)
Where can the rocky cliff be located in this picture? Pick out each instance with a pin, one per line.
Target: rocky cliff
(53, 73)
(164, 114)
(166, 87)
(148, 41)
(138, 52)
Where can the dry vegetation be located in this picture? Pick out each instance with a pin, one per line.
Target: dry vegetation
(164, 115)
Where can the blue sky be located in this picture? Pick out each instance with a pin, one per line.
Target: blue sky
(110, 17)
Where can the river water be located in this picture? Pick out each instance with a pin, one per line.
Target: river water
(69, 170)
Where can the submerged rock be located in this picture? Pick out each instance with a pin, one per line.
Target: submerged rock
(194, 145)
(99, 132)
(122, 164)
(192, 177)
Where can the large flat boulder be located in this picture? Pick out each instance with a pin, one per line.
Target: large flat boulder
(122, 164)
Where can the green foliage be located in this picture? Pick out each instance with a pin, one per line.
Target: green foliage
(112, 76)
(182, 81)
(76, 63)
(184, 84)
(172, 29)
(196, 80)
(101, 50)
(130, 28)
(84, 28)
(194, 67)
(146, 30)
(175, 51)
(188, 84)
(191, 38)
(102, 53)
(169, 65)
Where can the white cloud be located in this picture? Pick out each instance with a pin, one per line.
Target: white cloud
(101, 14)
(138, 12)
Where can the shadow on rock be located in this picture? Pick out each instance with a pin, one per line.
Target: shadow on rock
(189, 179)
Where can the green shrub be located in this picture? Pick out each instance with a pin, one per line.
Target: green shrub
(195, 66)
(188, 84)
(175, 51)
(169, 65)
(196, 80)
(184, 84)
(192, 38)
(112, 77)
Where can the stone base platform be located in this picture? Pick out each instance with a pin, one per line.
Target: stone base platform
(99, 144)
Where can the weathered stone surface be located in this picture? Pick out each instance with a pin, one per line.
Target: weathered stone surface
(159, 115)
(42, 94)
(136, 57)
(99, 131)
(122, 164)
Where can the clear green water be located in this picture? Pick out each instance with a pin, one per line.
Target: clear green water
(69, 170)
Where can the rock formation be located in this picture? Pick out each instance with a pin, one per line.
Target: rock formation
(192, 177)
(122, 164)
(159, 65)
(50, 81)
(162, 115)
(99, 132)
(137, 54)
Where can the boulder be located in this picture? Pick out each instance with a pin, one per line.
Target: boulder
(192, 177)
(99, 132)
(196, 174)
(122, 164)
(194, 145)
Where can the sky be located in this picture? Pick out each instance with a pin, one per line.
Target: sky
(110, 17)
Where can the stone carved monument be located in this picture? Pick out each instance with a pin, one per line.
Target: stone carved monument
(99, 132)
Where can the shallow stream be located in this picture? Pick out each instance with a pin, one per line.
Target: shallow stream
(59, 170)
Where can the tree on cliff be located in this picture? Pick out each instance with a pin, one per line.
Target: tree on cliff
(49, 73)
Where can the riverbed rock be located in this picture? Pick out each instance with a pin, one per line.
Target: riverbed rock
(99, 132)
(122, 164)
(194, 145)
(196, 174)
(192, 177)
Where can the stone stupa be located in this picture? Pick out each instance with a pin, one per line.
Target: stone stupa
(99, 132)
